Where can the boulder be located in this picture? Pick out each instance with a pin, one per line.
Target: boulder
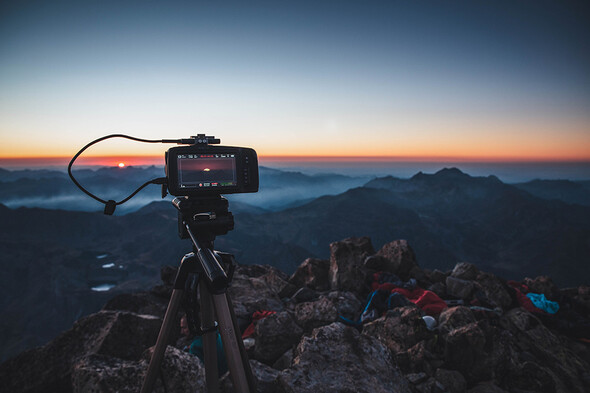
(542, 284)
(179, 372)
(464, 352)
(266, 379)
(399, 329)
(304, 295)
(495, 290)
(336, 358)
(311, 315)
(400, 257)
(455, 317)
(347, 304)
(139, 303)
(459, 288)
(250, 294)
(312, 273)
(347, 272)
(452, 380)
(115, 334)
(275, 334)
(465, 271)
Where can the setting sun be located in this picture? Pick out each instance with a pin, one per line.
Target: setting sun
(121, 164)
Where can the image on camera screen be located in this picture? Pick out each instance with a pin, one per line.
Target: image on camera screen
(206, 170)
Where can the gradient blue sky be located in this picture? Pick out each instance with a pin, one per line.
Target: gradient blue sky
(469, 79)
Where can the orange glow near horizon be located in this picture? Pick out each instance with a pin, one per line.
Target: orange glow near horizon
(124, 161)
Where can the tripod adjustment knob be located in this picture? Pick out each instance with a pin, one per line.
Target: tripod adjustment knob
(207, 216)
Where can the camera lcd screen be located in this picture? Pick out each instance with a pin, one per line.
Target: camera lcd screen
(206, 171)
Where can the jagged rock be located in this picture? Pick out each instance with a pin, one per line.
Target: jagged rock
(266, 379)
(180, 372)
(416, 378)
(439, 288)
(375, 262)
(250, 294)
(253, 270)
(347, 304)
(139, 303)
(534, 353)
(399, 329)
(436, 276)
(312, 273)
(311, 315)
(542, 284)
(416, 359)
(430, 385)
(284, 361)
(455, 317)
(452, 380)
(465, 271)
(462, 289)
(304, 295)
(275, 334)
(336, 358)
(486, 387)
(464, 351)
(494, 290)
(400, 258)
(277, 282)
(49, 368)
(346, 265)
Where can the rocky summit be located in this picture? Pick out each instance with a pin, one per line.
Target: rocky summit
(365, 320)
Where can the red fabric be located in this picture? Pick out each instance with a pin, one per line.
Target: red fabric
(428, 301)
(527, 303)
(519, 286)
(257, 316)
(386, 286)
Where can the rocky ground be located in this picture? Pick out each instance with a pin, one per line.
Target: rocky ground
(319, 340)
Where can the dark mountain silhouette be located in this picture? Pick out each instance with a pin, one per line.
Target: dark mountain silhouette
(50, 258)
(448, 217)
(564, 190)
(422, 331)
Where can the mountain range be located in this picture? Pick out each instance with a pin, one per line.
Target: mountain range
(59, 265)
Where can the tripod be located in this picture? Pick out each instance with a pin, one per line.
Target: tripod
(201, 219)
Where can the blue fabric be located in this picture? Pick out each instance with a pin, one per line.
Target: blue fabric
(196, 349)
(540, 301)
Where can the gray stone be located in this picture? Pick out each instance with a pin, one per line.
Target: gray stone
(457, 287)
(465, 271)
(311, 315)
(312, 273)
(347, 304)
(347, 272)
(401, 259)
(180, 372)
(250, 294)
(275, 334)
(336, 358)
(455, 317)
(399, 329)
(452, 380)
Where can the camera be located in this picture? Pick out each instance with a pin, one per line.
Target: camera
(204, 170)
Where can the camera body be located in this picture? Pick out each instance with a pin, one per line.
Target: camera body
(205, 170)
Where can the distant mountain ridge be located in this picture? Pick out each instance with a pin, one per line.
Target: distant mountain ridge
(50, 257)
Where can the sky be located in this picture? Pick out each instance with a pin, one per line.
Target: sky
(417, 80)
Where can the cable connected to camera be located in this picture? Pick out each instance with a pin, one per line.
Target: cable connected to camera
(195, 170)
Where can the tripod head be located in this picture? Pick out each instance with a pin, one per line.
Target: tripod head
(206, 216)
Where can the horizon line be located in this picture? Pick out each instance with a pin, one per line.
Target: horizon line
(154, 159)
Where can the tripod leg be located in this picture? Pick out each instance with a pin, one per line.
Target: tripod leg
(237, 362)
(158, 355)
(209, 340)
